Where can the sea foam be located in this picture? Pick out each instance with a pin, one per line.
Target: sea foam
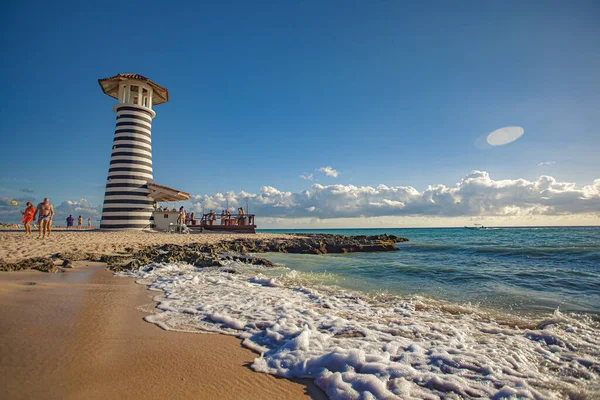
(357, 347)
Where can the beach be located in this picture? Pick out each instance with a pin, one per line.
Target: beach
(14, 246)
(451, 313)
(81, 334)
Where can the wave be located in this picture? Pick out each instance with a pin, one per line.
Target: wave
(382, 346)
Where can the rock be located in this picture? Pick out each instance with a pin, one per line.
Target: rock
(204, 255)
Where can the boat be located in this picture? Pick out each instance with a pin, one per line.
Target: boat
(476, 226)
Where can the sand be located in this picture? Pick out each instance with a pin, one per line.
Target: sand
(79, 334)
(14, 245)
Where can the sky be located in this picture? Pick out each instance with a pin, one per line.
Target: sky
(318, 114)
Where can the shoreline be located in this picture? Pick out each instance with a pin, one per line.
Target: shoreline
(15, 246)
(81, 334)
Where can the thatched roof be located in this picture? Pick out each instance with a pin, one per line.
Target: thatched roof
(110, 86)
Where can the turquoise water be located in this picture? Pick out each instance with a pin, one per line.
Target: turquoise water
(520, 270)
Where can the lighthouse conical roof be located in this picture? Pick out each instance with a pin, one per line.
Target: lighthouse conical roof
(110, 86)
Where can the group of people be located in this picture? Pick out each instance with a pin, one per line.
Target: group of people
(71, 220)
(226, 218)
(184, 217)
(44, 213)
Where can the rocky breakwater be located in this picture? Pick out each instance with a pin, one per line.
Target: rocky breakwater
(315, 244)
(208, 255)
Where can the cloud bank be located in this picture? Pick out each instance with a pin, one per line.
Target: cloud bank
(477, 194)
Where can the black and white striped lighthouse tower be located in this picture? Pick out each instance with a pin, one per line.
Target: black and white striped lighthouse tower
(127, 201)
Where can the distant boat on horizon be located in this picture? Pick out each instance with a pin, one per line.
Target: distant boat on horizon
(475, 226)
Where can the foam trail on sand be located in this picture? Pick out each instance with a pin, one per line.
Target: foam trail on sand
(360, 348)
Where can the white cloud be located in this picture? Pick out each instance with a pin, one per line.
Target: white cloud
(477, 194)
(545, 163)
(306, 177)
(329, 171)
(76, 208)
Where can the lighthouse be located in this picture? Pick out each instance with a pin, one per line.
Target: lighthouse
(130, 190)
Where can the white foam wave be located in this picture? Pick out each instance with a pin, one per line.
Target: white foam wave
(397, 348)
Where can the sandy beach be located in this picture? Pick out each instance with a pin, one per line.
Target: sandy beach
(80, 333)
(14, 246)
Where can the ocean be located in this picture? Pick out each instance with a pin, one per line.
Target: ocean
(455, 313)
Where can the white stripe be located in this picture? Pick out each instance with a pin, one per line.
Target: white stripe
(134, 214)
(128, 126)
(125, 189)
(135, 135)
(141, 175)
(120, 120)
(130, 180)
(138, 151)
(131, 158)
(138, 166)
(137, 112)
(145, 145)
(128, 222)
(129, 205)
(125, 197)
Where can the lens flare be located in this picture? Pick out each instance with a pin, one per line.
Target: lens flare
(505, 135)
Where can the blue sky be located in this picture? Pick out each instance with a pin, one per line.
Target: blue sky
(261, 93)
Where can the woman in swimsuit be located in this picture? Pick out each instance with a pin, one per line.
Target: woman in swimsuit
(28, 218)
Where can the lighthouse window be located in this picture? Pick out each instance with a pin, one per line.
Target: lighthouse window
(134, 88)
(144, 97)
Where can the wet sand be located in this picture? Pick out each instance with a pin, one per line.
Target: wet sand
(80, 335)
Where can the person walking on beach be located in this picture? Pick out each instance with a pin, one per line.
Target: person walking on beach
(89, 222)
(79, 222)
(46, 212)
(70, 221)
(28, 214)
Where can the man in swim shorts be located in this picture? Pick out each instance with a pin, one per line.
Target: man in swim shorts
(46, 212)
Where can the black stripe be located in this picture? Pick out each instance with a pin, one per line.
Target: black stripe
(125, 169)
(133, 116)
(127, 185)
(126, 201)
(126, 209)
(130, 154)
(134, 109)
(124, 226)
(133, 131)
(141, 194)
(125, 123)
(138, 177)
(147, 164)
(123, 217)
(132, 138)
(131, 146)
